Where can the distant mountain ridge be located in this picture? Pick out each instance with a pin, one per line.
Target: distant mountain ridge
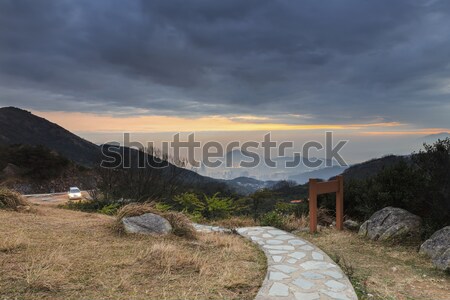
(372, 167)
(324, 173)
(18, 126)
(429, 139)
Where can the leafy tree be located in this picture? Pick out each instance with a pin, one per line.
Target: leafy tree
(261, 202)
(433, 164)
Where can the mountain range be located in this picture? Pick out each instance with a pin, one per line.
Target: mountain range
(19, 126)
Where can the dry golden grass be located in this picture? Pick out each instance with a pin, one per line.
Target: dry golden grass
(387, 272)
(235, 222)
(63, 254)
(12, 200)
(136, 209)
(291, 223)
(13, 243)
(181, 225)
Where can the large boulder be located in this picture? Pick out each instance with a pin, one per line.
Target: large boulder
(438, 248)
(392, 224)
(147, 224)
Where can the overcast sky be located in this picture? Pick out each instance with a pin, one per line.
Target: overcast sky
(275, 62)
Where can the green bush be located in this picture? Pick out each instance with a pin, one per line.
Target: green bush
(209, 207)
(297, 209)
(189, 203)
(217, 207)
(272, 218)
(110, 209)
(86, 206)
(163, 207)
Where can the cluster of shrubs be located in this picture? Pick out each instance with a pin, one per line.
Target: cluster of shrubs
(420, 183)
(36, 162)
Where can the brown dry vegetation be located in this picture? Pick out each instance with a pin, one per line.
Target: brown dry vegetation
(63, 254)
(234, 222)
(11, 200)
(386, 272)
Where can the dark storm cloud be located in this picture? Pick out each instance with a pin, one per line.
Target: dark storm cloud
(337, 61)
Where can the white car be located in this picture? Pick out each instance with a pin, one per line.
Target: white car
(74, 193)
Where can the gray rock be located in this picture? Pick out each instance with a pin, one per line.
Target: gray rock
(442, 262)
(147, 224)
(392, 224)
(438, 248)
(351, 225)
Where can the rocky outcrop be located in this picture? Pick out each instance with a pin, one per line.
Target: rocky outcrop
(392, 224)
(147, 224)
(438, 248)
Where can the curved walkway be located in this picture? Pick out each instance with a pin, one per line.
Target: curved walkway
(297, 269)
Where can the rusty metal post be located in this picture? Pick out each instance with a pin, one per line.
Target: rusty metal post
(312, 205)
(340, 204)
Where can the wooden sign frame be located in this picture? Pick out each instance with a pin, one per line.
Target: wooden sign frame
(317, 188)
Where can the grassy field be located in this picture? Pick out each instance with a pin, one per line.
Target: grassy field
(381, 271)
(62, 254)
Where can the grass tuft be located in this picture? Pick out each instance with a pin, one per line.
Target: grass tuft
(12, 244)
(12, 200)
(181, 225)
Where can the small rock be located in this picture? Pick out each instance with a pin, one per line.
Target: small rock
(351, 225)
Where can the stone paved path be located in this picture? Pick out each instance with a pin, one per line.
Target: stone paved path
(296, 269)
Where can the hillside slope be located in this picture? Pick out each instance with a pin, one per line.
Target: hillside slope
(19, 126)
(372, 167)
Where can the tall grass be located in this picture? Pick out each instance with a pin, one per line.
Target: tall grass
(11, 200)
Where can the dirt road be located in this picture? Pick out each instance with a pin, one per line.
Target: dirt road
(52, 199)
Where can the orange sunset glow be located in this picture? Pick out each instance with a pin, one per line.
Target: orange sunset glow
(86, 122)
